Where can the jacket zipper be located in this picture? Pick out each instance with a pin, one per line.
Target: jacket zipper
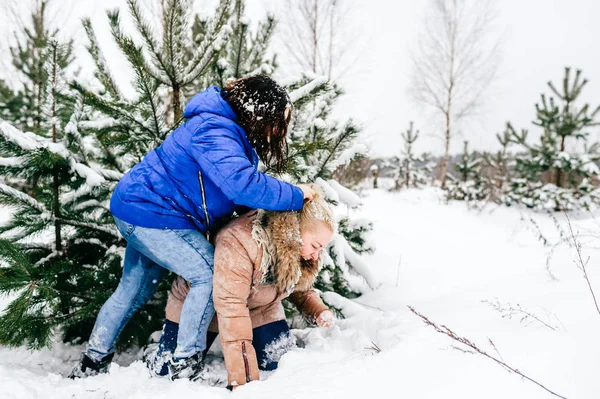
(246, 365)
(204, 205)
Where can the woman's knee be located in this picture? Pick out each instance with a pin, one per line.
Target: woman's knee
(271, 342)
(199, 276)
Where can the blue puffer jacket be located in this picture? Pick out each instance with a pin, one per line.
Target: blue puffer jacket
(163, 190)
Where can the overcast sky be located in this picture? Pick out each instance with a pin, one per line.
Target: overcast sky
(540, 38)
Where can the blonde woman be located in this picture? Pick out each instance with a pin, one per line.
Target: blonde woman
(260, 258)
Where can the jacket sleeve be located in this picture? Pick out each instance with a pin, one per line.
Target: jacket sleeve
(222, 158)
(231, 288)
(309, 304)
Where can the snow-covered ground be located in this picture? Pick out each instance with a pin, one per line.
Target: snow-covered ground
(444, 260)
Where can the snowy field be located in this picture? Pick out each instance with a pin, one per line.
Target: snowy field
(452, 265)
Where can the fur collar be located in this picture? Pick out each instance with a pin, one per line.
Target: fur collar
(278, 234)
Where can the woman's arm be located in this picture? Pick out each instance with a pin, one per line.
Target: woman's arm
(222, 158)
(231, 289)
(309, 304)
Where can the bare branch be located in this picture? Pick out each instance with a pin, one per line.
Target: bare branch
(580, 263)
(315, 35)
(475, 349)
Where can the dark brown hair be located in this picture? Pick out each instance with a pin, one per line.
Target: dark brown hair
(263, 108)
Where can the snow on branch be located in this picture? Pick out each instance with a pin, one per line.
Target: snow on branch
(31, 142)
(329, 192)
(111, 175)
(13, 161)
(27, 141)
(22, 198)
(344, 256)
(94, 226)
(157, 67)
(348, 155)
(308, 88)
(345, 195)
(216, 33)
(348, 307)
(357, 263)
(92, 178)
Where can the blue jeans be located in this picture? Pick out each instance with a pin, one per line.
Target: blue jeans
(149, 253)
(270, 341)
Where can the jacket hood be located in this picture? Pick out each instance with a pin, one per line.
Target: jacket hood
(209, 101)
(278, 234)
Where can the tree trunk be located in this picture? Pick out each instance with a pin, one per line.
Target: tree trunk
(331, 36)
(55, 172)
(242, 33)
(177, 114)
(315, 36)
(448, 110)
(444, 165)
(558, 171)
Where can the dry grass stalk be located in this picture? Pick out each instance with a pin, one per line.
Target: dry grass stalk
(442, 329)
(580, 263)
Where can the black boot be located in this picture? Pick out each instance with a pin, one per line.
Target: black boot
(88, 367)
(189, 367)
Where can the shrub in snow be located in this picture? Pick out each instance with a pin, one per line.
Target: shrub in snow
(60, 223)
(547, 175)
(469, 186)
(410, 170)
(555, 174)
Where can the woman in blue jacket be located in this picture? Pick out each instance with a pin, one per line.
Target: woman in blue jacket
(167, 205)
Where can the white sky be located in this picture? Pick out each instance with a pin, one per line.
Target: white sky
(541, 37)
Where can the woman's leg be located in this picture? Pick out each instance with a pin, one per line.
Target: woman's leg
(271, 341)
(138, 283)
(188, 254)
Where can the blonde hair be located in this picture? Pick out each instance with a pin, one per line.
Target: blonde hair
(317, 211)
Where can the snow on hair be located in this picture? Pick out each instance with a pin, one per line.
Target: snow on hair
(317, 210)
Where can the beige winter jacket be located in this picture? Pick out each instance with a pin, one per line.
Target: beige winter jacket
(257, 264)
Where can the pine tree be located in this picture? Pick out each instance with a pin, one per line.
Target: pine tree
(90, 135)
(410, 170)
(245, 52)
(165, 71)
(496, 169)
(548, 175)
(63, 230)
(318, 146)
(22, 103)
(469, 185)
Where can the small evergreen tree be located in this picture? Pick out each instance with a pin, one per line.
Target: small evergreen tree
(375, 173)
(411, 170)
(496, 169)
(469, 185)
(548, 176)
(245, 52)
(22, 103)
(63, 228)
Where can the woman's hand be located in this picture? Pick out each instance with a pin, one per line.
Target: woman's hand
(309, 193)
(326, 319)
